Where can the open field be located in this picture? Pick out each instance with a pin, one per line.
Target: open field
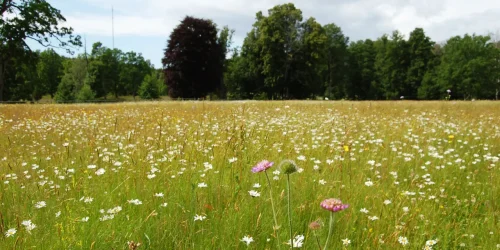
(177, 175)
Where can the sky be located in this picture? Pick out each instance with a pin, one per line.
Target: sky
(143, 26)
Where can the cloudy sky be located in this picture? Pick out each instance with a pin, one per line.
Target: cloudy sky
(144, 25)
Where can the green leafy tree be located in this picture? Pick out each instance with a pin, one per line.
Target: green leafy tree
(74, 78)
(27, 83)
(104, 68)
(391, 64)
(23, 20)
(162, 88)
(279, 42)
(149, 87)
(238, 77)
(224, 41)
(244, 77)
(362, 75)
(335, 73)
(466, 67)
(85, 93)
(50, 70)
(66, 90)
(133, 69)
(420, 55)
(430, 89)
(304, 78)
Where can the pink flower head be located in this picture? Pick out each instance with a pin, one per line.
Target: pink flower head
(334, 205)
(262, 166)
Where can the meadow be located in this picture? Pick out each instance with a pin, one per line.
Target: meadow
(178, 175)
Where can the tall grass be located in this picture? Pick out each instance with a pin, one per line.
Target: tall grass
(434, 164)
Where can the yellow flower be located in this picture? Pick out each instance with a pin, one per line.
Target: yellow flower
(346, 148)
(451, 137)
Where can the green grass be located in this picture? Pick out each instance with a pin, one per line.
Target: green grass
(444, 154)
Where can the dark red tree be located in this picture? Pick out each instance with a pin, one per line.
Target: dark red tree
(191, 63)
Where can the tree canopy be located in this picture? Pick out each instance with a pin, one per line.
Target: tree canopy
(192, 59)
(283, 56)
(24, 20)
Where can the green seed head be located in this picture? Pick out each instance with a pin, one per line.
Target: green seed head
(289, 167)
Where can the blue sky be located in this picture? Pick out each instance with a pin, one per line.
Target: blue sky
(144, 25)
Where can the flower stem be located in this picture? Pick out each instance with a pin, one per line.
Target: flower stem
(289, 211)
(330, 229)
(276, 227)
(317, 240)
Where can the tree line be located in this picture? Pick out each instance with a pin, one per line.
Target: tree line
(286, 57)
(282, 57)
(28, 75)
(100, 74)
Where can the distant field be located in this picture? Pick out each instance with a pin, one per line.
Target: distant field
(177, 175)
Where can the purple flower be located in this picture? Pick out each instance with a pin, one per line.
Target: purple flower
(334, 205)
(262, 166)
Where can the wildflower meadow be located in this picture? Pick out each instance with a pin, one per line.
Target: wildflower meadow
(250, 175)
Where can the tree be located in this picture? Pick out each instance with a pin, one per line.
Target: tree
(50, 71)
(304, 78)
(279, 40)
(74, 78)
(192, 60)
(133, 69)
(430, 90)
(245, 78)
(362, 75)
(27, 85)
(391, 65)
(149, 87)
(420, 54)
(467, 67)
(104, 70)
(496, 43)
(66, 90)
(29, 19)
(224, 42)
(85, 93)
(335, 57)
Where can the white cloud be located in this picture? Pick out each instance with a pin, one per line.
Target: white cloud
(359, 19)
(124, 25)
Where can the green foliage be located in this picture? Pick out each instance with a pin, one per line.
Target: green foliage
(362, 74)
(85, 93)
(430, 90)
(162, 87)
(50, 70)
(334, 70)
(282, 57)
(420, 55)
(150, 87)
(391, 65)
(133, 69)
(36, 20)
(279, 42)
(66, 90)
(104, 67)
(29, 86)
(466, 67)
